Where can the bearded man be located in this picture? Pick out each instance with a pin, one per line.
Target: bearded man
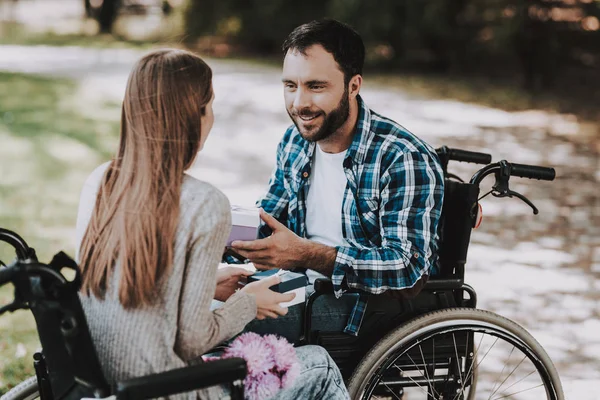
(354, 197)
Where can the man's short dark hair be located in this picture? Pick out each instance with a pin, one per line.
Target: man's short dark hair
(339, 39)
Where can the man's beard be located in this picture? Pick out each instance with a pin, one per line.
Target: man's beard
(332, 121)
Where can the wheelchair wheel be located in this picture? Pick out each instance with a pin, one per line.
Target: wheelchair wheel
(26, 390)
(458, 353)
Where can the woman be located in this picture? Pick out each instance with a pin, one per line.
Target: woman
(152, 237)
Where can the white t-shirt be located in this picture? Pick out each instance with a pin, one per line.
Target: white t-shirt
(324, 202)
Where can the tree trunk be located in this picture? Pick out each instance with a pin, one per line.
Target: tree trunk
(107, 15)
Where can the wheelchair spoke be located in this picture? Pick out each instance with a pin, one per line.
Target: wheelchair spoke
(522, 379)
(433, 351)
(427, 371)
(487, 352)
(494, 390)
(423, 375)
(471, 370)
(462, 382)
(520, 391)
(391, 391)
(408, 376)
(476, 352)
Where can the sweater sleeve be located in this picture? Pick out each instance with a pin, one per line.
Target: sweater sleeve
(199, 328)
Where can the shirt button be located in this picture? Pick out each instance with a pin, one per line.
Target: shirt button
(416, 255)
(305, 174)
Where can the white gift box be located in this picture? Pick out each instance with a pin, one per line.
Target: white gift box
(244, 223)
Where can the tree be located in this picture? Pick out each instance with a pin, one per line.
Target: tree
(105, 13)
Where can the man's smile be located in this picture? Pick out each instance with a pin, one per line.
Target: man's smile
(308, 119)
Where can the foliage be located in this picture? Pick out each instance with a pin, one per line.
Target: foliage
(536, 37)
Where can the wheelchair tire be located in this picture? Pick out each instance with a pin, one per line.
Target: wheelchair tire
(386, 371)
(26, 390)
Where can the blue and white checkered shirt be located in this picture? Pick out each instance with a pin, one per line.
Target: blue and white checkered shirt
(390, 211)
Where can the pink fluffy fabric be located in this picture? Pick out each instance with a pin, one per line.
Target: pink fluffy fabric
(271, 360)
(286, 361)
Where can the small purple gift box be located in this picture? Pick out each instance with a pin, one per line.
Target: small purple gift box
(244, 223)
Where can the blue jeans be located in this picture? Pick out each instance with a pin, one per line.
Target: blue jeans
(319, 378)
(328, 314)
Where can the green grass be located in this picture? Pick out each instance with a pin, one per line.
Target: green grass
(51, 140)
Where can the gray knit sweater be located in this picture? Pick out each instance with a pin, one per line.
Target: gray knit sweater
(179, 327)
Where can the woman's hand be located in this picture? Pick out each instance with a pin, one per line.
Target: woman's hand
(228, 279)
(267, 301)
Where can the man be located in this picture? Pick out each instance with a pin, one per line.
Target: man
(354, 196)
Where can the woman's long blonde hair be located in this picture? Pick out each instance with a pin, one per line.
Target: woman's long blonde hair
(137, 208)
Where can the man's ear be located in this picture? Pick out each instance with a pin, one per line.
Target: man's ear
(354, 85)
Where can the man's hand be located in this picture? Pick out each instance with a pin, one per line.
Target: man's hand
(228, 279)
(286, 250)
(283, 249)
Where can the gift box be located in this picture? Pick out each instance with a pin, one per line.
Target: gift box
(244, 224)
(291, 282)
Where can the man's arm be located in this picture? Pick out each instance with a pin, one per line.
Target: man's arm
(409, 213)
(318, 257)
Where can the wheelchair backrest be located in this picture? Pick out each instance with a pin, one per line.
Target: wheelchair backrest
(458, 215)
(71, 360)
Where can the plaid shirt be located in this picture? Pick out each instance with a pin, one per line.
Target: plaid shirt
(390, 211)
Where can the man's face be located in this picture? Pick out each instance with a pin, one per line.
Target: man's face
(316, 97)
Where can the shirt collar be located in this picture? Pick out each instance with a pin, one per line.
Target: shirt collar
(358, 147)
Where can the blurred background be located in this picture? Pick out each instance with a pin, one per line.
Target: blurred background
(516, 78)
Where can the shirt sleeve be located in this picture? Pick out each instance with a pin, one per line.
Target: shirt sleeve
(409, 213)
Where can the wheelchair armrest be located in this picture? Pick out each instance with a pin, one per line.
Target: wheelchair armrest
(443, 284)
(182, 380)
(323, 286)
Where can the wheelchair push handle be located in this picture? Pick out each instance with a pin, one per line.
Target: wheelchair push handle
(470, 156)
(448, 154)
(533, 172)
(24, 252)
(504, 170)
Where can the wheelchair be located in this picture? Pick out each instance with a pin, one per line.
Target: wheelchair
(440, 346)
